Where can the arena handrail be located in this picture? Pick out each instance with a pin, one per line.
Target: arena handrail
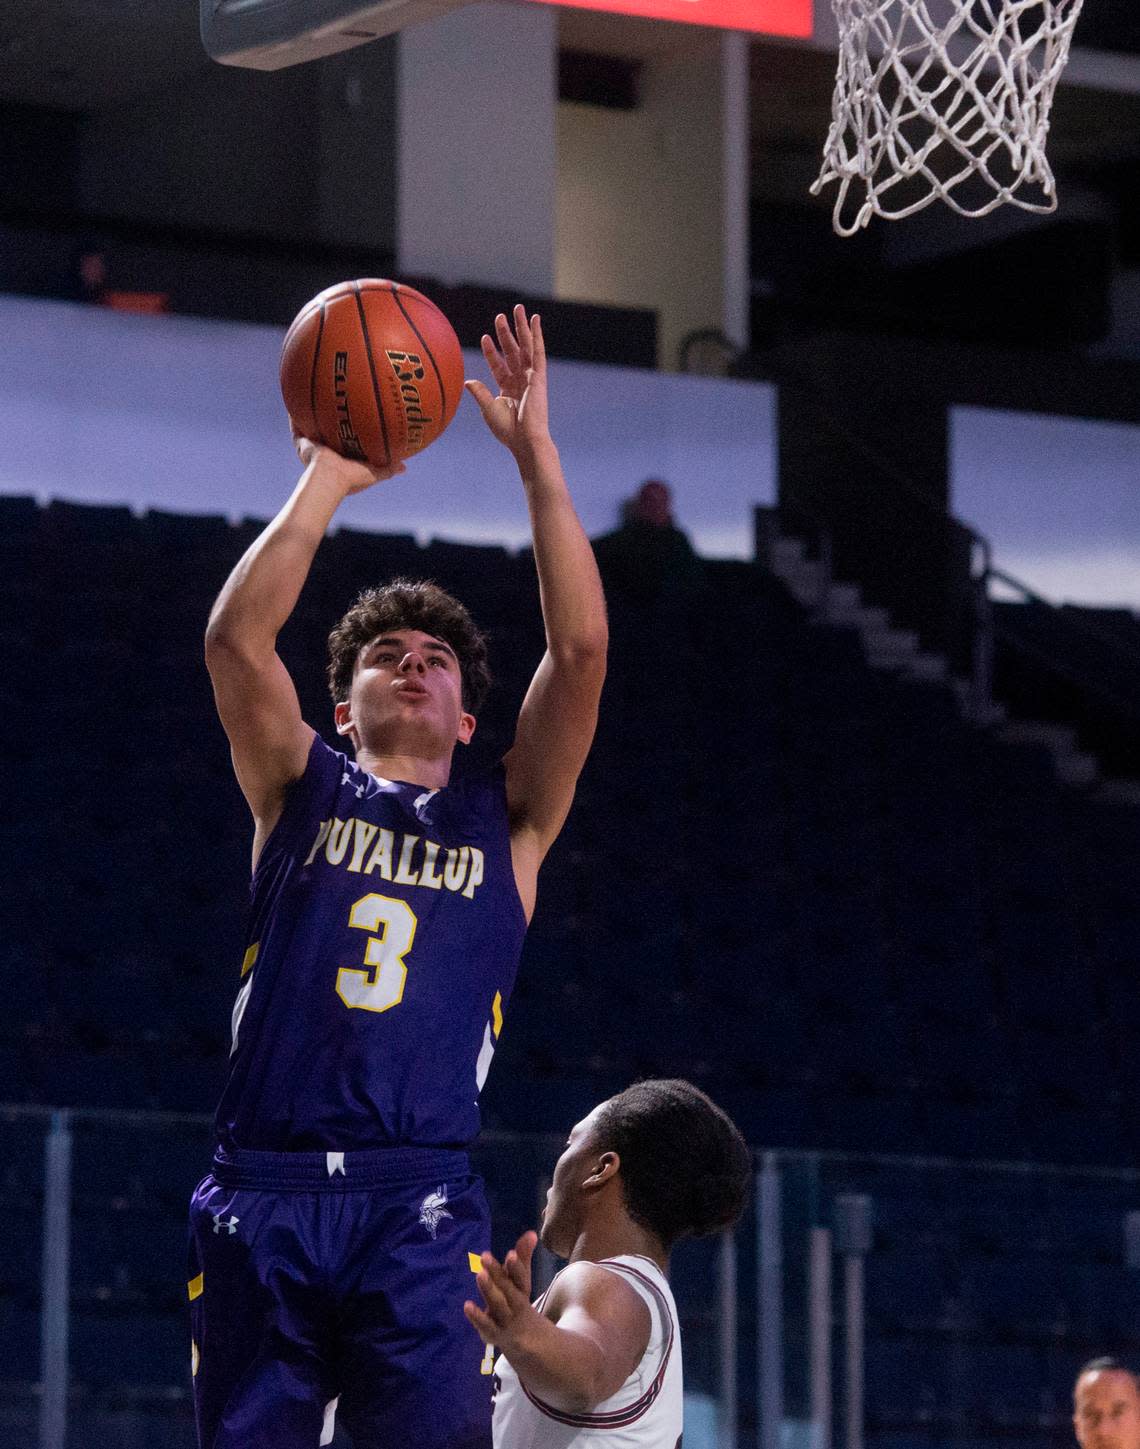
(987, 629)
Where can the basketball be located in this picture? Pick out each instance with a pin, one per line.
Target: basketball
(371, 369)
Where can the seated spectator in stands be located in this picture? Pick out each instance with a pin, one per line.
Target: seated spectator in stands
(648, 557)
(1106, 1406)
(96, 289)
(93, 278)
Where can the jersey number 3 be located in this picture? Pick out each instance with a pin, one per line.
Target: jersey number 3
(391, 927)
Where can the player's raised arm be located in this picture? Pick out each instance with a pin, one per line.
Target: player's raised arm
(590, 1337)
(559, 715)
(255, 696)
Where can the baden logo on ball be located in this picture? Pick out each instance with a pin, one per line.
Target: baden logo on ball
(409, 370)
(372, 369)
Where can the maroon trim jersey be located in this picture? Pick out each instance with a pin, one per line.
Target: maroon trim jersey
(647, 1412)
(384, 939)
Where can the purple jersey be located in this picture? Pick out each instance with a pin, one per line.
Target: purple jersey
(384, 939)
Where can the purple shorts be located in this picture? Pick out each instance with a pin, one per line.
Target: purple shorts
(327, 1285)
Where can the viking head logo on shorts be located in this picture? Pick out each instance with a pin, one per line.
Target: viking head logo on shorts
(409, 370)
(433, 1211)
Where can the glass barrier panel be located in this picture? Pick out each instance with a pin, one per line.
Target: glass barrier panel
(985, 1288)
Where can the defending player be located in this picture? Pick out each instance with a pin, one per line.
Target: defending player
(597, 1360)
(334, 1242)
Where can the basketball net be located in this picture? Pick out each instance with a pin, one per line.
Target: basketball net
(926, 103)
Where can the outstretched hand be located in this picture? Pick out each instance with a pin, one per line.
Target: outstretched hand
(353, 477)
(506, 1293)
(518, 416)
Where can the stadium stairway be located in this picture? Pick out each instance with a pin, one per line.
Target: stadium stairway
(888, 648)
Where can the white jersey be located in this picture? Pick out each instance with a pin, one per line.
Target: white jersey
(647, 1412)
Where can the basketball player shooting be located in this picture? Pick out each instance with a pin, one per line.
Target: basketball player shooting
(335, 1240)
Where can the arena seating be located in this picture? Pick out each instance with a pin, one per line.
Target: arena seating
(860, 923)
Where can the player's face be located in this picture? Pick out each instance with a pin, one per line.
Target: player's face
(562, 1215)
(1106, 1410)
(407, 696)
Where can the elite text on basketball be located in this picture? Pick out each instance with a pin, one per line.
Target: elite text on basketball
(350, 443)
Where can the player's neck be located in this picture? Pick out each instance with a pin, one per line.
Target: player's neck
(613, 1240)
(432, 773)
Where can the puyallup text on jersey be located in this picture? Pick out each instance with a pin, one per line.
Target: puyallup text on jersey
(363, 848)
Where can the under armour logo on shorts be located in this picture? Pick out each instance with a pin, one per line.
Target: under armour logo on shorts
(228, 1224)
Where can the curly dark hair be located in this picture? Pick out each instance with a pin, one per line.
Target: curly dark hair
(409, 604)
(685, 1167)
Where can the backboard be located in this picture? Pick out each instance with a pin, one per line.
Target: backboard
(272, 34)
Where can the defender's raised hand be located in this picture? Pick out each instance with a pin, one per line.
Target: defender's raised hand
(506, 1293)
(518, 415)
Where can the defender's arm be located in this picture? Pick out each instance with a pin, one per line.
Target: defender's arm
(591, 1335)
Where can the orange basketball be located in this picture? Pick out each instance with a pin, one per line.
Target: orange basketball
(372, 369)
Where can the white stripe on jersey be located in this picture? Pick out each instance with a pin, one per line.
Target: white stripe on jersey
(646, 1412)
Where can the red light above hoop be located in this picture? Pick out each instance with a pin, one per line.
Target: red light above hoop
(763, 17)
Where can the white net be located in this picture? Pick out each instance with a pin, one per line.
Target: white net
(943, 100)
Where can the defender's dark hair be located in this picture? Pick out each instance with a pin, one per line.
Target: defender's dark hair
(685, 1168)
(409, 604)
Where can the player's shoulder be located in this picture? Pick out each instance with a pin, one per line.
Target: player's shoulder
(306, 795)
(594, 1286)
(326, 768)
(321, 753)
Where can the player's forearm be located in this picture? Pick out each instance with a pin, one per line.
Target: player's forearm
(263, 589)
(573, 605)
(558, 1365)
